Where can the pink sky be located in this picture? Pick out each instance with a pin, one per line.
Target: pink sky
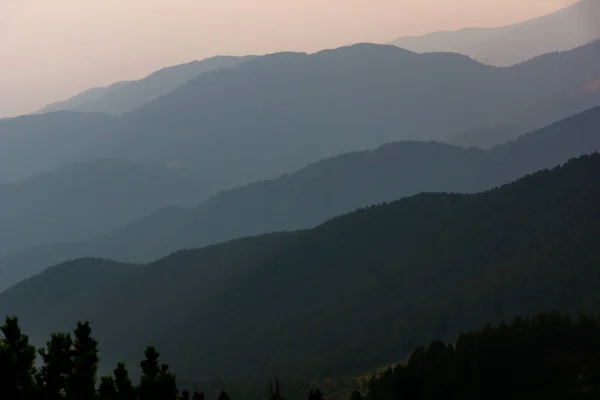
(53, 49)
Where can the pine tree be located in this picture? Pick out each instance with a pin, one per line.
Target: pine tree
(224, 396)
(356, 395)
(107, 389)
(150, 370)
(166, 384)
(82, 382)
(56, 368)
(315, 395)
(125, 389)
(156, 383)
(17, 358)
(198, 396)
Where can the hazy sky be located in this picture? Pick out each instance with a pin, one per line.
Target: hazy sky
(53, 49)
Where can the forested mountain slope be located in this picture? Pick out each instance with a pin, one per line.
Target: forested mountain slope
(280, 112)
(308, 303)
(323, 190)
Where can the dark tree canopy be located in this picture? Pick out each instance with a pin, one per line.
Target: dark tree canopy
(549, 356)
(424, 267)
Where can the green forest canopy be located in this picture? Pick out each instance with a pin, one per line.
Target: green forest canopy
(549, 356)
(307, 303)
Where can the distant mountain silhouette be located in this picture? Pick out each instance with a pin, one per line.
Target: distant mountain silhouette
(565, 29)
(540, 114)
(354, 293)
(86, 199)
(280, 112)
(125, 96)
(81, 100)
(323, 190)
(30, 145)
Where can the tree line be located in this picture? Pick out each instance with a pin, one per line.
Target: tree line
(549, 356)
(69, 370)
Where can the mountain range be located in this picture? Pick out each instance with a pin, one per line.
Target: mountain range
(122, 97)
(314, 217)
(277, 113)
(565, 29)
(86, 199)
(309, 196)
(540, 114)
(356, 292)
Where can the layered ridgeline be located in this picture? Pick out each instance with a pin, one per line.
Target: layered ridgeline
(544, 111)
(122, 97)
(280, 112)
(86, 199)
(347, 296)
(320, 191)
(563, 30)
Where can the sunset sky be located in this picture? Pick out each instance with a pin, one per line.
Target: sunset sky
(53, 49)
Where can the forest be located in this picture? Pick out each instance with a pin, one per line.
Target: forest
(549, 355)
(305, 304)
(289, 211)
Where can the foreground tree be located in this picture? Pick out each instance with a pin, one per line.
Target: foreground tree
(156, 383)
(548, 356)
(198, 396)
(125, 389)
(56, 368)
(107, 389)
(315, 395)
(224, 396)
(17, 358)
(82, 381)
(356, 395)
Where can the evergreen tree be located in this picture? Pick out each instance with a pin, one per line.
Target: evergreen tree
(56, 368)
(356, 395)
(315, 395)
(166, 384)
(82, 382)
(198, 396)
(224, 396)
(156, 383)
(185, 395)
(17, 358)
(125, 389)
(150, 370)
(107, 389)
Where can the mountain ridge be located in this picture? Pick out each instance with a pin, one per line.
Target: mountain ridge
(304, 108)
(564, 29)
(323, 190)
(429, 265)
(85, 199)
(125, 96)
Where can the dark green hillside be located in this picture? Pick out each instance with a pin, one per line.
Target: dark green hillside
(186, 277)
(323, 190)
(558, 358)
(548, 356)
(343, 297)
(426, 265)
